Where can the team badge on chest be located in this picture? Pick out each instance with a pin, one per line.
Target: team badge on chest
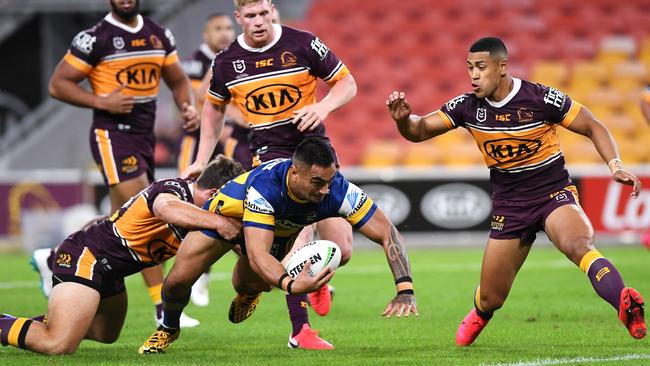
(481, 114)
(239, 65)
(118, 43)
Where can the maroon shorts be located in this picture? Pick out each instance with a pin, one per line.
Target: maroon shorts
(122, 156)
(523, 219)
(75, 262)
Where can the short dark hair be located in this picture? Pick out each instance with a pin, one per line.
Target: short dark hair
(215, 15)
(314, 151)
(219, 171)
(493, 45)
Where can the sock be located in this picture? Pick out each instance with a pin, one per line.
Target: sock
(477, 304)
(40, 318)
(173, 308)
(603, 276)
(297, 305)
(156, 298)
(13, 331)
(50, 258)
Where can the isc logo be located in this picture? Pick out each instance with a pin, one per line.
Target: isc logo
(511, 149)
(272, 99)
(143, 76)
(139, 42)
(502, 117)
(264, 63)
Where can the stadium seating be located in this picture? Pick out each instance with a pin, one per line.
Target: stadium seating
(596, 51)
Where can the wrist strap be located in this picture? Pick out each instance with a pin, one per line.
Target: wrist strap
(615, 165)
(403, 279)
(284, 275)
(406, 292)
(289, 286)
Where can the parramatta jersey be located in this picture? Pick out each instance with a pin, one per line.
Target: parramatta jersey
(270, 83)
(518, 137)
(134, 237)
(262, 199)
(113, 54)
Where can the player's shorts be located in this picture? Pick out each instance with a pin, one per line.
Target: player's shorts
(523, 219)
(75, 262)
(122, 156)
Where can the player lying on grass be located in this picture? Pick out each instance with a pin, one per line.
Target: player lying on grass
(89, 298)
(514, 124)
(275, 201)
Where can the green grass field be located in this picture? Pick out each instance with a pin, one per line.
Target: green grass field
(551, 317)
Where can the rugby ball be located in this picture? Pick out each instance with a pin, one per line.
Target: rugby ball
(320, 253)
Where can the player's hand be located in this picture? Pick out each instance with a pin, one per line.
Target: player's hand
(193, 171)
(403, 304)
(624, 177)
(116, 102)
(304, 283)
(191, 117)
(229, 228)
(399, 108)
(309, 117)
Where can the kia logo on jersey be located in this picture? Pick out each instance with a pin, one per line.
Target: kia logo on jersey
(511, 149)
(272, 99)
(142, 76)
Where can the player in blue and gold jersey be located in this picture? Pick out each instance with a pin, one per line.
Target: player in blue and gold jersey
(270, 74)
(275, 201)
(124, 57)
(514, 123)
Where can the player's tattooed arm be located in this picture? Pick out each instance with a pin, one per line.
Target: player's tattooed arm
(382, 231)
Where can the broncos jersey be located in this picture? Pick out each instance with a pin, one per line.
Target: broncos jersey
(518, 137)
(113, 54)
(262, 198)
(270, 83)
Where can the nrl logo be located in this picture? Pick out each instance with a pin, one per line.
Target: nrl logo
(239, 66)
(118, 43)
(481, 114)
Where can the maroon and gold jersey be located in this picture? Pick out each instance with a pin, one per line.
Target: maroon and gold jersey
(198, 64)
(139, 238)
(113, 54)
(518, 137)
(270, 83)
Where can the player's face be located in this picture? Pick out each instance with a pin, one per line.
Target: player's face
(312, 183)
(486, 72)
(125, 9)
(256, 20)
(219, 33)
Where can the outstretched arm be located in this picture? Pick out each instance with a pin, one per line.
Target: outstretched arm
(587, 125)
(413, 127)
(380, 230)
(171, 209)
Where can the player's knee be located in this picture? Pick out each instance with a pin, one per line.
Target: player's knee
(491, 302)
(576, 246)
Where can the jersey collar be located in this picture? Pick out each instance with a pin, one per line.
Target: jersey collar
(291, 195)
(516, 85)
(278, 34)
(205, 49)
(111, 19)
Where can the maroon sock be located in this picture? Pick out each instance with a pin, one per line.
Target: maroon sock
(297, 305)
(606, 281)
(50, 259)
(7, 322)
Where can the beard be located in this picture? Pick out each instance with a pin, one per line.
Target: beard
(126, 15)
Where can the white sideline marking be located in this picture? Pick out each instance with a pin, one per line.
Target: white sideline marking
(576, 360)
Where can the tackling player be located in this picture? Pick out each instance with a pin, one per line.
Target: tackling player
(270, 74)
(89, 299)
(514, 124)
(275, 201)
(124, 57)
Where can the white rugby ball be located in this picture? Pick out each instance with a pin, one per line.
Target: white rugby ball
(320, 253)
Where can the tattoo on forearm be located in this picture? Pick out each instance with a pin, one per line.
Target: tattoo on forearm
(397, 256)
